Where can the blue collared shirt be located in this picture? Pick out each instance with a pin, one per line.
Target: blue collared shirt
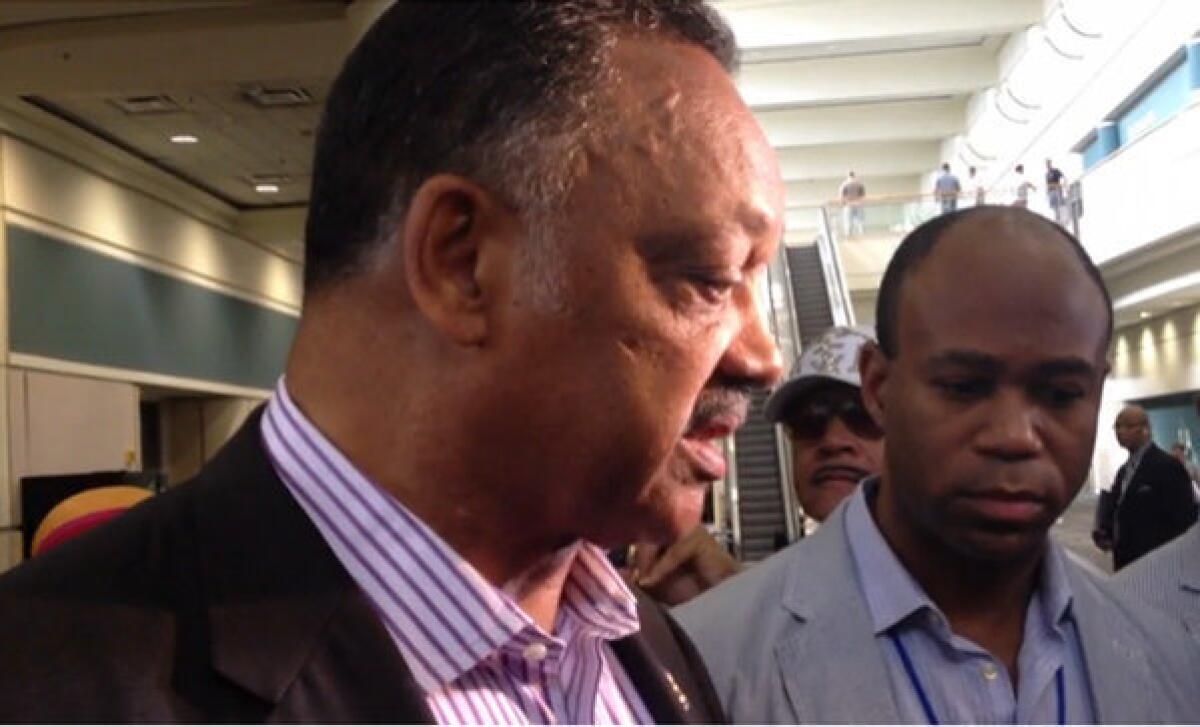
(962, 681)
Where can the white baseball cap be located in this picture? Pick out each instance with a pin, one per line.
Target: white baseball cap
(832, 356)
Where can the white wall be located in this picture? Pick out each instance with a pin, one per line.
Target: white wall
(1146, 191)
(1137, 38)
(70, 424)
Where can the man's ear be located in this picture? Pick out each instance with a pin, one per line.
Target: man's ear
(452, 227)
(873, 369)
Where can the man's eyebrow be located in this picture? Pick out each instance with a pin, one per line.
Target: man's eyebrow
(754, 220)
(671, 242)
(966, 359)
(984, 363)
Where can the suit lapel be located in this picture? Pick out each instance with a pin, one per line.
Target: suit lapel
(655, 662)
(1118, 667)
(287, 623)
(658, 687)
(830, 665)
(353, 675)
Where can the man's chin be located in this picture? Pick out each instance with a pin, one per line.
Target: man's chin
(674, 515)
(1002, 548)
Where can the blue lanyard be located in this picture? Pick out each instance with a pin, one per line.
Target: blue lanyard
(1060, 686)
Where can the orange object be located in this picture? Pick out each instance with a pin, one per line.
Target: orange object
(84, 511)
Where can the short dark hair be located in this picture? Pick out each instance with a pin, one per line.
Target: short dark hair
(499, 92)
(918, 244)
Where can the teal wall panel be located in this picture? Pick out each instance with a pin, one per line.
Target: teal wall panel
(69, 303)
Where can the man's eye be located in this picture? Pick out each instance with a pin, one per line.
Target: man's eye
(964, 389)
(1058, 395)
(712, 288)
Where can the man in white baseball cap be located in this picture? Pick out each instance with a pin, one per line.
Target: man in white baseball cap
(835, 443)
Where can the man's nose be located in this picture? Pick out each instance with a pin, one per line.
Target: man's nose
(837, 439)
(1012, 428)
(752, 355)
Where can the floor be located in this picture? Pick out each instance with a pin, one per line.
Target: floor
(1074, 530)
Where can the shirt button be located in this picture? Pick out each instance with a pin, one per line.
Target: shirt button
(990, 673)
(535, 652)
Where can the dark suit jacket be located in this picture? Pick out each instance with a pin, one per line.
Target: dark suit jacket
(220, 602)
(1158, 506)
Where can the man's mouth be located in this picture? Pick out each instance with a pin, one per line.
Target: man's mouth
(827, 474)
(1011, 507)
(702, 444)
(707, 458)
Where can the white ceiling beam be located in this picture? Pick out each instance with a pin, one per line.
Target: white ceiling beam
(932, 119)
(273, 41)
(773, 23)
(873, 159)
(904, 75)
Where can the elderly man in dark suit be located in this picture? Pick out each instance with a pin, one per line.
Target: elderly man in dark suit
(534, 247)
(1151, 500)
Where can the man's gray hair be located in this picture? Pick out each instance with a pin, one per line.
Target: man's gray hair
(503, 93)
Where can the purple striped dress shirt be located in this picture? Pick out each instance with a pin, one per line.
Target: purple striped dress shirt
(478, 658)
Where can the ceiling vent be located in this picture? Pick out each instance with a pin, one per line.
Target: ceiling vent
(269, 183)
(279, 179)
(141, 105)
(269, 97)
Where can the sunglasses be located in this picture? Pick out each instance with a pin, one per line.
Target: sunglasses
(810, 419)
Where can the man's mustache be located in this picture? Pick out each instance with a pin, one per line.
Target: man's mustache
(724, 403)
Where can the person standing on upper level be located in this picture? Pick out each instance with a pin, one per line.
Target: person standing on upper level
(851, 194)
(946, 189)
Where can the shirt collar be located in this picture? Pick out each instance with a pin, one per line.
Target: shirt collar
(1140, 451)
(596, 603)
(892, 594)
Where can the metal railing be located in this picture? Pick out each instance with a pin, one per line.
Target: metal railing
(840, 305)
(783, 305)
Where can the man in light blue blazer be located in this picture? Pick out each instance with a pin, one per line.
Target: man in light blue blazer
(934, 594)
(1169, 579)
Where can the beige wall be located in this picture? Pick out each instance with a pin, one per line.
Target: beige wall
(66, 417)
(41, 188)
(1158, 356)
(63, 424)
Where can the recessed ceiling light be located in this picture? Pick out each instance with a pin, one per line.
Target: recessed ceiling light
(1144, 314)
(184, 139)
(266, 188)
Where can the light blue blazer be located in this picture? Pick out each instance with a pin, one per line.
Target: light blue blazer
(790, 640)
(1169, 578)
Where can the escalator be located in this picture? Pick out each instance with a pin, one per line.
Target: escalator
(803, 303)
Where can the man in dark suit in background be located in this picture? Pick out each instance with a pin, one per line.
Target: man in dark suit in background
(1151, 500)
(535, 240)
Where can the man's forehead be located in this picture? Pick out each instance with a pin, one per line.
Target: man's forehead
(676, 123)
(1132, 415)
(1002, 286)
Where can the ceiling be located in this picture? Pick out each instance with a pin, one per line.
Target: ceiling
(873, 85)
(869, 85)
